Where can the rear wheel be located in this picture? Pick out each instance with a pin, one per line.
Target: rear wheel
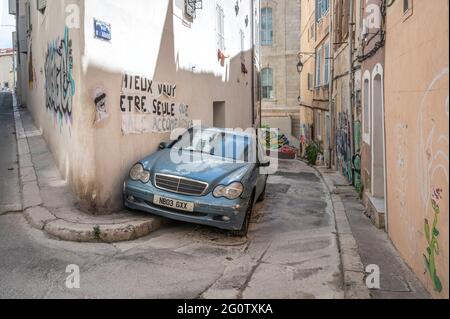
(246, 225)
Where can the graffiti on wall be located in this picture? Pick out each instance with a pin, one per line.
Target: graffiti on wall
(150, 107)
(305, 135)
(343, 136)
(59, 81)
(432, 234)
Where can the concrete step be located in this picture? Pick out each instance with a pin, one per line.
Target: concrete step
(376, 210)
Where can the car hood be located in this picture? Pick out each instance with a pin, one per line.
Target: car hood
(202, 167)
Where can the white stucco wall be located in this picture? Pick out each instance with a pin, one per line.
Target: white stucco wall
(6, 70)
(61, 120)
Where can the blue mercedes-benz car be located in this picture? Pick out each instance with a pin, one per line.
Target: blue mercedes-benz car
(211, 177)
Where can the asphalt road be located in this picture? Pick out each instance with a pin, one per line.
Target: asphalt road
(9, 179)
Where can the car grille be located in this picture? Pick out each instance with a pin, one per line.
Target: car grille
(180, 185)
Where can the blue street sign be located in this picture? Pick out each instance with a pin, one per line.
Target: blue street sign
(102, 30)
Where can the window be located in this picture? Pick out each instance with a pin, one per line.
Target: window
(310, 82)
(341, 21)
(220, 28)
(266, 26)
(406, 6)
(318, 125)
(322, 7)
(318, 67)
(326, 75)
(267, 83)
(28, 17)
(325, 7)
(312, 31)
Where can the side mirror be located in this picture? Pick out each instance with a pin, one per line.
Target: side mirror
(163, 146)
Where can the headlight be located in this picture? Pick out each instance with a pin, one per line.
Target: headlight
(231, 191)
(138, 173)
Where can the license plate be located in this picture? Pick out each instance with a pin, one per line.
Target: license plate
(173, 203)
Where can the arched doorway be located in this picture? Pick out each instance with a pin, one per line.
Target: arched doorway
(377, 138)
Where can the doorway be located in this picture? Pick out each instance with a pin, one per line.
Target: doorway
(219, 120)
(378, 149)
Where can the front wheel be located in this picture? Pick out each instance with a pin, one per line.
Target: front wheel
(246, 225)
(262, 197)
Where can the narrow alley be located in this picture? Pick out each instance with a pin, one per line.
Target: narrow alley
(291, 251)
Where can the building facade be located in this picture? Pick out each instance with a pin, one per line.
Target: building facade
(316, 61)
(106, 81)
(417, 137)
(306, 58)
(280, 44)
(379, 96)
(7, 77)
(322, 75)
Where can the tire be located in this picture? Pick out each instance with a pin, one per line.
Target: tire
(246, 225)
(262, 197)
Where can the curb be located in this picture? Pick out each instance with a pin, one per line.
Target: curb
(42, 219)
(352, 266)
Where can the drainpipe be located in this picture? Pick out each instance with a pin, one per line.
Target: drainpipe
(252, 8)
(331, 146)
(351, 86)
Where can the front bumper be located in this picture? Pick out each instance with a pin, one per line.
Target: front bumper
(210, 211)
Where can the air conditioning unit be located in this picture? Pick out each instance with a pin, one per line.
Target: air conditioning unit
(41, 5)
(12, 7)
(365, 31)
(191, 7)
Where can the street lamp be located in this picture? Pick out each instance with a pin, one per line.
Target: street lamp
(300, 63)
(300, 66)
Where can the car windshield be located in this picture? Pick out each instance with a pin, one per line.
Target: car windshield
(226, 145)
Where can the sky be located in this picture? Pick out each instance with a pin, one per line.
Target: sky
(5, 19)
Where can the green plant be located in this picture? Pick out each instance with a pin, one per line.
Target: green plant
(432, 234)
(313, 150)
(97, 232)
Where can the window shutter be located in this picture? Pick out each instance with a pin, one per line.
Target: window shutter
(23, 42)
(345, 19)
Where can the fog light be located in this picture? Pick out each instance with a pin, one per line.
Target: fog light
(130, 198)
(226, 218)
